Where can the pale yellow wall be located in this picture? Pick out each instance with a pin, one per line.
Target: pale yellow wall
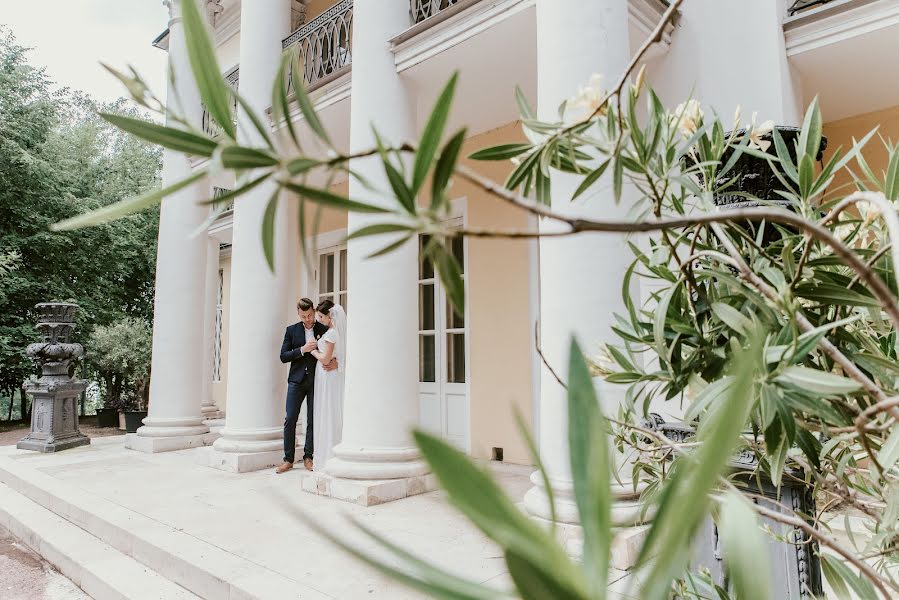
(499, 322)
(219, 388)
(317, 7)
(840, 133)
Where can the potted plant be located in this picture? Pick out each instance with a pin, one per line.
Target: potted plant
(121, 354)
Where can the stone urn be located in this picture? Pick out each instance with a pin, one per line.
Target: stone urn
(54, 409)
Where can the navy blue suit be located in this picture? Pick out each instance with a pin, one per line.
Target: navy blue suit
(300, 386)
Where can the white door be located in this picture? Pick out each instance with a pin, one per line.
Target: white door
(331, 275)
(442, 356)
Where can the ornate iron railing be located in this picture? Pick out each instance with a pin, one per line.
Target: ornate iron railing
(218, 192)
(801, 5)
(425, 9)
(323, 46)
(210, 127)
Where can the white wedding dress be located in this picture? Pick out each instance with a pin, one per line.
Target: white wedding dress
(327, 405)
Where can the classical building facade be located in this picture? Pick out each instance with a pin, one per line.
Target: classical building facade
(220, 312)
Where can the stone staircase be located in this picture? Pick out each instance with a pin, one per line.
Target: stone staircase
(112, 552)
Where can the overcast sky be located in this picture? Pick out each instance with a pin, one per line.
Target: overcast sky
(71, 37)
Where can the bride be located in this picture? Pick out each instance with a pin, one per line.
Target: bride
(327, 407)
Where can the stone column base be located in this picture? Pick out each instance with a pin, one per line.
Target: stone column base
(366, 492)
(152, 445)
(240, 462)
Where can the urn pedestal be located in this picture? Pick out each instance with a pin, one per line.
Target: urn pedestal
(54, 408)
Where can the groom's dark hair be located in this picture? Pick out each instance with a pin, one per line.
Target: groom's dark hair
(304, 304)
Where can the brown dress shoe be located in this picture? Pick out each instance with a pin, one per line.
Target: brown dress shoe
(307, 462)
(284, 468)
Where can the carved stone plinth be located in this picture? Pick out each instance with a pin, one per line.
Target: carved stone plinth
(54, 408)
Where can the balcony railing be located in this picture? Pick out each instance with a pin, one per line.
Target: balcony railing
(323, 46)
(800, 5)
(218, 192)
(425, 9)
(210, 127)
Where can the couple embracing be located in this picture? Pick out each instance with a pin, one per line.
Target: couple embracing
(316, 350)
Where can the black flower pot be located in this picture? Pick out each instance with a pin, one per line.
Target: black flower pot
(134, 419)
(107, 417)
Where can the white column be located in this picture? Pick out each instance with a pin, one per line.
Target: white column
(176, 387)
(257, 381)
(574, 40)
(381, 399)
(208, 407)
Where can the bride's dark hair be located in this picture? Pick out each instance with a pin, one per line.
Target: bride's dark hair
(324, 307)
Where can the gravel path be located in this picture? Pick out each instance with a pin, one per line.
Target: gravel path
(26, 576)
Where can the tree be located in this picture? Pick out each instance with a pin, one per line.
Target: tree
(57, 158)
(121, 355)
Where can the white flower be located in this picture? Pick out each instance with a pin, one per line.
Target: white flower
(687, 117)
(737, 115)
(757, 131)
(589, 97)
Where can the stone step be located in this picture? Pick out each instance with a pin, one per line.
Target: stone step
(96, 567)
(202, 568)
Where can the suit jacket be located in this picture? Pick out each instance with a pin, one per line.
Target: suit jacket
(301, 365)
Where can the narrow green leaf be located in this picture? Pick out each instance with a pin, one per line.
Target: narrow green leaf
(450, 274)
(332, 200)
(533, 582)
(732, 317)
(835, 570)
(379, 229)
(524, 108)
(268, 229)
(501, 152)
(214, 91)
(300, 165)
(446, 164)
(783, 154)
(672, 530)
(167, 137)
(472, 490)
(239, 191)
(433, 132)
(261, 127)
(242, 157)
(810, 137)
(815, 381)
(591, 468)
(427, 579)
(280, 101)
(125, 207)
(591, 178)
(891, 184)
(402, 193)
(390, 247)
(746, 550)
(305, 104)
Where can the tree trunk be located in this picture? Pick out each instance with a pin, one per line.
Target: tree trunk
(12, 401)
(24, 408)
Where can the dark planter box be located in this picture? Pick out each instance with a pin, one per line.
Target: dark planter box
(134, 419)
(107, 417)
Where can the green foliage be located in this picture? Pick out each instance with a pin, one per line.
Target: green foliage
(58, 158)
(121, 354)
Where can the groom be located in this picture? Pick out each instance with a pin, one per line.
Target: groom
(300, 339)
